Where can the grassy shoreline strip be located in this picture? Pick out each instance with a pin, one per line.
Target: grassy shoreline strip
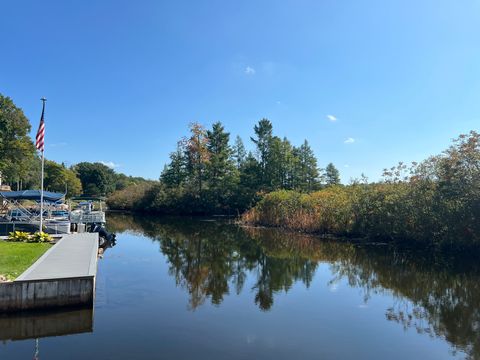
(385, 212)
(16, 257)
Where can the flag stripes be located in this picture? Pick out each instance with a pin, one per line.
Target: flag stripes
(41, 135)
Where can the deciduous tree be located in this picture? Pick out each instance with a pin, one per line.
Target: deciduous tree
(16, 148)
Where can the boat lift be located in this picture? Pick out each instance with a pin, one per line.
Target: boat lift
(17, 216)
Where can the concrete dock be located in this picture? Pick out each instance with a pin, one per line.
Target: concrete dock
(63, 276)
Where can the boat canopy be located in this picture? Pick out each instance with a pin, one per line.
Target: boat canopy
(32, 195)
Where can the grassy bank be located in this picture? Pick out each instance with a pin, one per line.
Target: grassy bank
(16, 257)
(380, 212)
(434, 203)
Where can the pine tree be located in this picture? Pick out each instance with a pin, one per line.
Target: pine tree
(307, 176)
(239, 152)
(174, 174)
(220, 162)
(250, 182)
(263, 141)
(281, 162)
(332, 175)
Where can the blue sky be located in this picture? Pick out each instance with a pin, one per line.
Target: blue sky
(368, 83)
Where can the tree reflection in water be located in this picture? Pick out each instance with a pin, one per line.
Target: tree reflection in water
(433, 295)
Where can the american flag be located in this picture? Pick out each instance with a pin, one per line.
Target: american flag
(41, 133)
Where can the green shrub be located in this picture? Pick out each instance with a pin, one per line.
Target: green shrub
(130, 198)
(326, 211)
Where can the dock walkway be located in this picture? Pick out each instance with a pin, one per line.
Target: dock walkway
(74, 256)
(63, 276)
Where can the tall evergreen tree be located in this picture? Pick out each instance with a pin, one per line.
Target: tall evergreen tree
(250, 181)
(222, 174)
(263, 141)
(307, 171)
(239, 152)
(220, 162)
(280, 164)
(175, 172)
(332, 175)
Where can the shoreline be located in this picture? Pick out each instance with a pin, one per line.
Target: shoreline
(406, 244)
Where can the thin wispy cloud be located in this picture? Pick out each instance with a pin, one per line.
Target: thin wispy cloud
(332, 118)
(249, 70)
(110, 164)
(349, 140)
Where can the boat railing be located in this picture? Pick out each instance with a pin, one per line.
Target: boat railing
(8, 227)
(91, 218)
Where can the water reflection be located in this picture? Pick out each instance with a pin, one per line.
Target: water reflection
(34, 325)
(432, 295)
(210, 259)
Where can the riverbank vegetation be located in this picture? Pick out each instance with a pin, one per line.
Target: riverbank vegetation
(436, 202)
(432, 203)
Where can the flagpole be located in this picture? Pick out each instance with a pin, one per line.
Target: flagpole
(43, 167)
(41, 194)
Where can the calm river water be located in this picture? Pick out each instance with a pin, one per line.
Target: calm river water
(192, 289)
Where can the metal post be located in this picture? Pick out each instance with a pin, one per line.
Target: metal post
(41, 195)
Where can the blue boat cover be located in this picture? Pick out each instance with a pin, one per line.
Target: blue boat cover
(31, 195)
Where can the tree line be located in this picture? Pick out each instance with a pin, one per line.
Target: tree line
(208, 174)
(433, 202)
(20, 164)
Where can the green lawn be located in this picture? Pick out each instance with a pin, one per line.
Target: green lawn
(16, 257)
